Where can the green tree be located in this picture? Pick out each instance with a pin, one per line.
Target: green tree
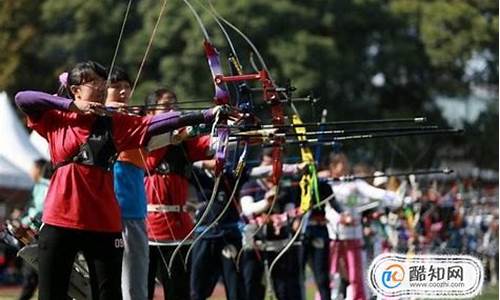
(80, 30)
(18, 37)
(364, 58)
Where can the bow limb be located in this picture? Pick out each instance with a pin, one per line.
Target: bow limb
(215, 221)
(271, 96)
(203, 216)
(308, 187)
(287, 246)
(243, 35)
(244, 104)
(269, 90)
(221, 133)
(118, 42)
(309, 181)
(299, 229)
(216, 69)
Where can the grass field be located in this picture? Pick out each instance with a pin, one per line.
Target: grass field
(489, 293)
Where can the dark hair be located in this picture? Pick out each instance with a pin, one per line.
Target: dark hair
(118, 74)
(40, 163)
(336, 158)
(153, 97)
(45, 167)
(81, 73)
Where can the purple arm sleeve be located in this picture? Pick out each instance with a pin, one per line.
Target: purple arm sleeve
(33, 103)
(172, 120)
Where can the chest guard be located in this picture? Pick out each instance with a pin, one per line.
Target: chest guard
(99, 149)
(175, 161)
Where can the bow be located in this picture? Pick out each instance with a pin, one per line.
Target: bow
(270, 95)
(309, 180)
(245, 106)
(308, 186)
(221, 97)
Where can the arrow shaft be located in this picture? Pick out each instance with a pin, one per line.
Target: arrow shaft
(335, 139)
(396, 174)
(335, 132)
(417, 120)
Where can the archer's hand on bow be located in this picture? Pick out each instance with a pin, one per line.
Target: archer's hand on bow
(117, 107)
(208, 164)
(87, 107)
(223, 111)
(234, 116)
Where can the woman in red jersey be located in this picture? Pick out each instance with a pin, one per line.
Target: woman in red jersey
(81, 212)
(169, 170)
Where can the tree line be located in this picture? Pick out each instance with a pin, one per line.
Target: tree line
(365, 59)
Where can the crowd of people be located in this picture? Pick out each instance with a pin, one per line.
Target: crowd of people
(119, 194)
(447, 216)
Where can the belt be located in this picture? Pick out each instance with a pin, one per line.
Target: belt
(169, 243)
(274, 245)
(162, 208)
(236, 225)
(317, 222)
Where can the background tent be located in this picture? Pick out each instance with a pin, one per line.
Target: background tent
(13, 177)
(40, 144)
(15, 188)
(15, 144)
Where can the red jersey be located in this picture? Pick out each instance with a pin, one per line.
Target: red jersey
(171, 189)
(81, 196)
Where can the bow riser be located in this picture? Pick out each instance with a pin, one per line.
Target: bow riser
(221, 97)
(271, 96)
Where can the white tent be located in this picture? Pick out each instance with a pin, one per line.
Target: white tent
(15, 144)
(12, 177)
(40, 144)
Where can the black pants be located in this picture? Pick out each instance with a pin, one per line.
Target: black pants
(285, 275)
(175, 286)
(316, 254)
(30, 282)
(57, 250)
(213, 257)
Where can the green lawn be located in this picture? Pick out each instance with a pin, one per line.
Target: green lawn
(489, 293)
